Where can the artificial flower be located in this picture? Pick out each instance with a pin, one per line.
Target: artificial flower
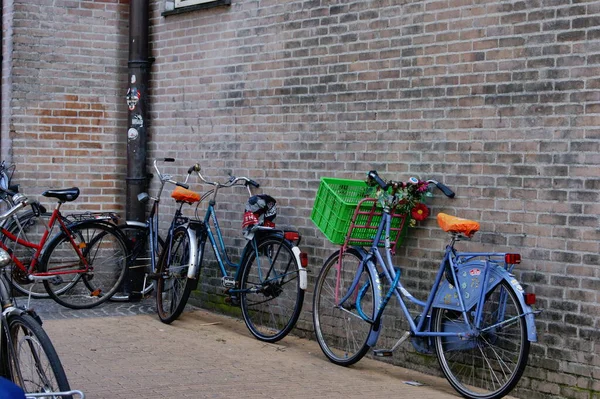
(420, 212)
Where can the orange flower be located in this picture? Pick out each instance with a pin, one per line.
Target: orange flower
(420, 212)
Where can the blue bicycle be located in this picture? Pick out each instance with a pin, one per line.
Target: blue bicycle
(477, 318)
(267, 282)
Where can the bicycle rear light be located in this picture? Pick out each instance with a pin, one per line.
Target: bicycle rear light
(303, 259)
(291, 235)
(512, 259)
(529, 299)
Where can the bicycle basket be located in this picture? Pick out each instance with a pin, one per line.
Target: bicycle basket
(345, 212)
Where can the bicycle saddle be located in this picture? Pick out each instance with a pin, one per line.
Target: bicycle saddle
(454, 224)
(64, 195)
(181, 194)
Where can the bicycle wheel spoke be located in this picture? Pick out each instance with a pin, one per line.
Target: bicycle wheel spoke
(173, 286)
(84, 286)
(489, 364)
(341, 332)
(35, 360)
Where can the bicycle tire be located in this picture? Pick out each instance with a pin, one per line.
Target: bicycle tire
(271, 304)
(173, 287)
(32, 229)
(342, 334)
(468, 363)
(106, 253)
(35, 367)
(140, 255)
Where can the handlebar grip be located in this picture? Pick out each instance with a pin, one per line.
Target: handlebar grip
(186, 186)
(372, 175)
(9, 192)
(445, 189)
(253, 183)
(169, 159)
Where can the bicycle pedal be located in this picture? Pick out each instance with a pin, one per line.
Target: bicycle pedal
(228, 282)
(382, 352)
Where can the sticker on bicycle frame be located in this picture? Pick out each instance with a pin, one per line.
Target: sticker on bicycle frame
(475, 272)
(516, 284)
(132, 134)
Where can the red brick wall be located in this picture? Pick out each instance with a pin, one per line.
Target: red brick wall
(499, 100)
(67, 113)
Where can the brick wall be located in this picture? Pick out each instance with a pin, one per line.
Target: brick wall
(499, 100)
(66, 119)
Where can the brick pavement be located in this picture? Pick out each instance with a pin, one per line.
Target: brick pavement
(122, 351)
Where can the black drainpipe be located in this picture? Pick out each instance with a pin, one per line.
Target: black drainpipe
(137, 123)
(137, 102)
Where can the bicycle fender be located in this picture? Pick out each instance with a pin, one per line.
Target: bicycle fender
(193, 262)
(469, 276)
(302, 275)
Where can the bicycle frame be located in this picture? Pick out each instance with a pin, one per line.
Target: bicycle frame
(437, 296)
(220, 250)
(39, 247)
(218, 244)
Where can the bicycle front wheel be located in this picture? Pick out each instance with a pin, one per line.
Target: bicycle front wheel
(488, 365)
(270, 293)
(29, 227)
(341, 331)
(33, 362)
(173, 286)
(139, 258)
(105, 253)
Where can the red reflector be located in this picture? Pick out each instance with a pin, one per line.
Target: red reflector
(512, 258)
(291, 235)
(529, 299)
(303, 259)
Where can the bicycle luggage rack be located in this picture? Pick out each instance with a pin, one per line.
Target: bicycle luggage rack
(346, 213)
(365, 222)
(82, 216)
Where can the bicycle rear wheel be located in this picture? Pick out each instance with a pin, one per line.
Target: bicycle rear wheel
(341, 332)
(139, 257)
(106, 254)
(34, 364)
(173, 287)
(271, 297)
(489, 365)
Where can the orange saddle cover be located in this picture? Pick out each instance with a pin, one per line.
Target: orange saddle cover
(456, 224)
(185, 195)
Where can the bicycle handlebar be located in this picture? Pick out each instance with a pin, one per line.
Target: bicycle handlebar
(233, 180)
(168, 178)
(372, 176)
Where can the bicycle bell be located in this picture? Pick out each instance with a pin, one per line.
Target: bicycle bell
(4, 258)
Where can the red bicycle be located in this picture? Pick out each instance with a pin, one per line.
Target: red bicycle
(81, 263)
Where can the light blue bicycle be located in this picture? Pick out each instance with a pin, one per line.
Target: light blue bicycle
(477, 318)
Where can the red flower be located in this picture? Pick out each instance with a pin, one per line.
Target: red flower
(420, 212)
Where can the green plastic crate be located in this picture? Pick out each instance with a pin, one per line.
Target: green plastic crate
(334, 207)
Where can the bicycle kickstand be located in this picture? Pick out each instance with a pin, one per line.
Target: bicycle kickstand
(389, 352)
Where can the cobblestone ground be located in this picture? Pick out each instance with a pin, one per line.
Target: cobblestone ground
(122, 351)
